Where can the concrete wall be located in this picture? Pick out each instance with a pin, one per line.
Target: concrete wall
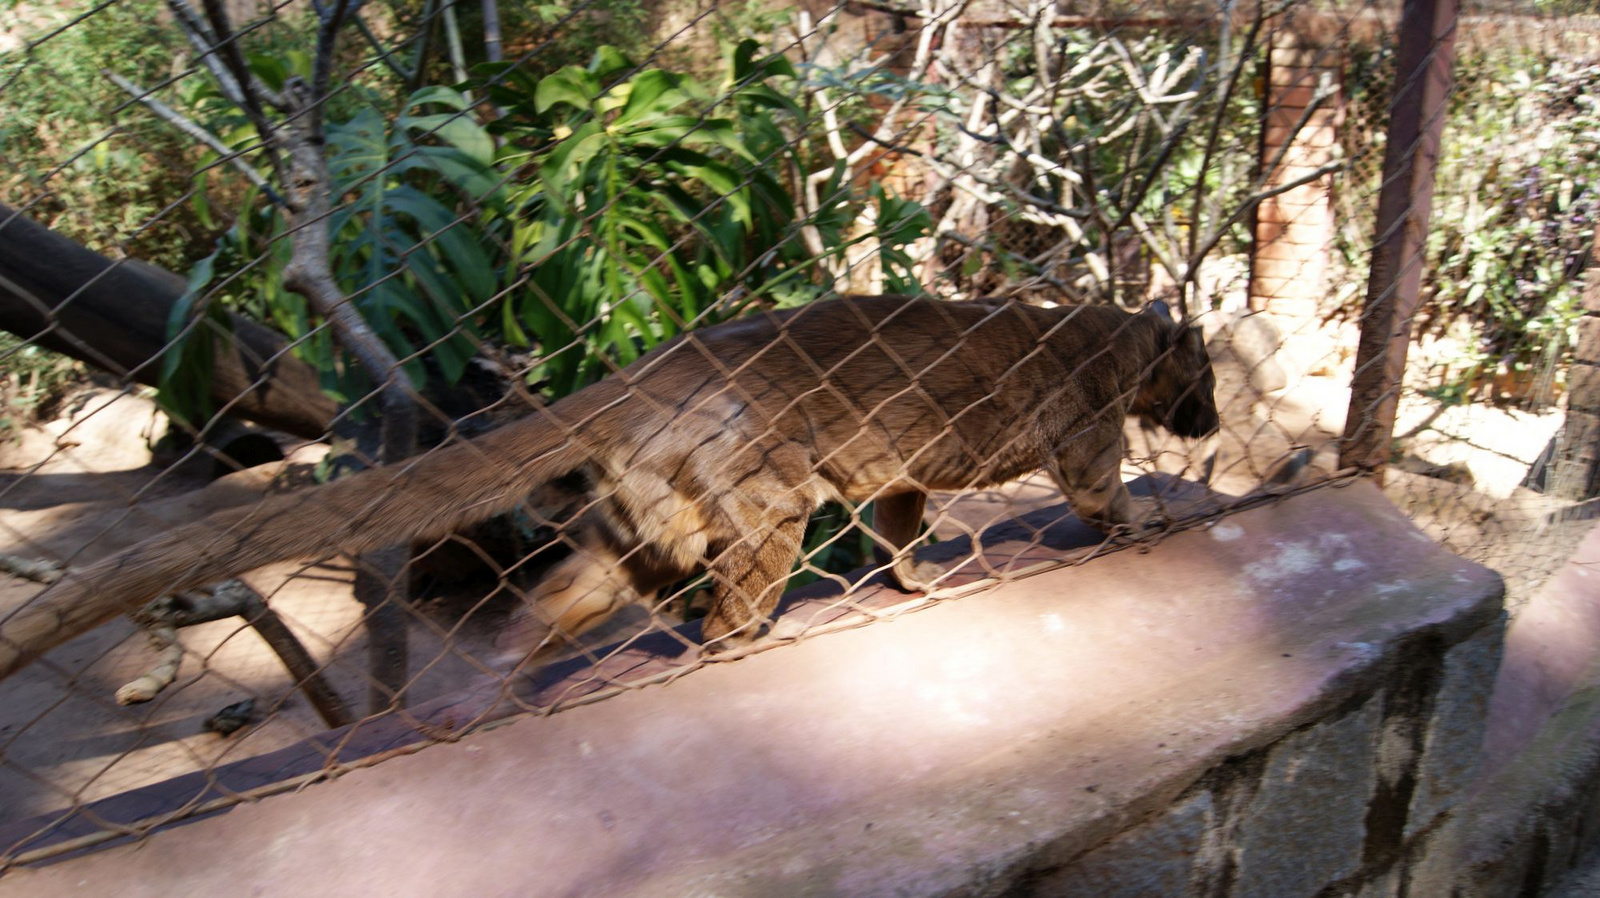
(1345, 806)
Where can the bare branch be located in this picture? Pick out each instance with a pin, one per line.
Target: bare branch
(169, 658)
(247, 89)
(206, 46)
(1202, 209)
(1253, 200)
(385, 55)
(230, 598)
(419, 63)
(226, 44)
(178, 120)
(322, 65)
(162, 618)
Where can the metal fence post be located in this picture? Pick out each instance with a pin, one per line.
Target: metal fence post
(1423, 81)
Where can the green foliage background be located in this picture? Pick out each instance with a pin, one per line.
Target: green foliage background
(1516, 195)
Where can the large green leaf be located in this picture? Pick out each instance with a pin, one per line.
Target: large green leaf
(568, 156)
(359, 148)
(572, 86)
(651, 94)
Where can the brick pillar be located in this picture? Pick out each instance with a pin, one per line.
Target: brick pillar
(1295, 229)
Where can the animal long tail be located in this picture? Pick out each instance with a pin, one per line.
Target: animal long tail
(419, 499)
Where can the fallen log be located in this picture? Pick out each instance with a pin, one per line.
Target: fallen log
(113, 315)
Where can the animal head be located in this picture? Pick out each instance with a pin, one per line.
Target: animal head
(1179, 391)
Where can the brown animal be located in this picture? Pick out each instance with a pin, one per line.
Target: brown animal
(713, 450)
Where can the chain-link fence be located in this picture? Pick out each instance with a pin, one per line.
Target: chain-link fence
(678, 331)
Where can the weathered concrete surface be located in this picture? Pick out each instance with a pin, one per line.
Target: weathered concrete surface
(966, 749)
(1552, 651)
(1159, 857)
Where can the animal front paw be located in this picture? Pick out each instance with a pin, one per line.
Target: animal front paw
(527, 640)
(917, 576)
(1141, 518)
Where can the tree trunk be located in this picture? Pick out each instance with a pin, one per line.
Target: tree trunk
(1574, 453)
(113, 315)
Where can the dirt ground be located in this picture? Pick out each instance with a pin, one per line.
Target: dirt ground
(86, 484)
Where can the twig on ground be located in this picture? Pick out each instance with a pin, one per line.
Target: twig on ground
(162, 618)
(169, 654)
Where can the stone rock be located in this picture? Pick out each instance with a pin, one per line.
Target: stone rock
(1256, 339)
(1153, 859)
(1453, 742)
(1304, 827)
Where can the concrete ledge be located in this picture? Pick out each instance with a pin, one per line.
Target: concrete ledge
(1204, 702)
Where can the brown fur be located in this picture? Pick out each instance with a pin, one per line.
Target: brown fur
(712, 451)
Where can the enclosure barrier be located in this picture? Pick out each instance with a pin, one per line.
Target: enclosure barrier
(381, 373)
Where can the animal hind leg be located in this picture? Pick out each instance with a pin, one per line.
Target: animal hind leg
(897, 521)
(575, 596)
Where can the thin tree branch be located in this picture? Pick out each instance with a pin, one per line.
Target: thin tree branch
(308, 186)
(248, 88)
(178, 120)
(385, 55)
(419, 64)
(1255, 199)
(234, 598)
(226, 44)
(163, 618)
(322, 64)
(1214, 135)
(206, 46)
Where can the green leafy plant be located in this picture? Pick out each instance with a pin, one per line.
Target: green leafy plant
(102, 178)
(655, 203)
(413, 245)
(606, 208)
(1517, 195)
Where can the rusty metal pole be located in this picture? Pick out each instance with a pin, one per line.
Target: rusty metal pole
(1424, 78)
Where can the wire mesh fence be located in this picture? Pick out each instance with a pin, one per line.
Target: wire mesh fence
(378, 372)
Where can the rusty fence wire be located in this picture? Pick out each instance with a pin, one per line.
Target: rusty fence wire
(374, 374)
